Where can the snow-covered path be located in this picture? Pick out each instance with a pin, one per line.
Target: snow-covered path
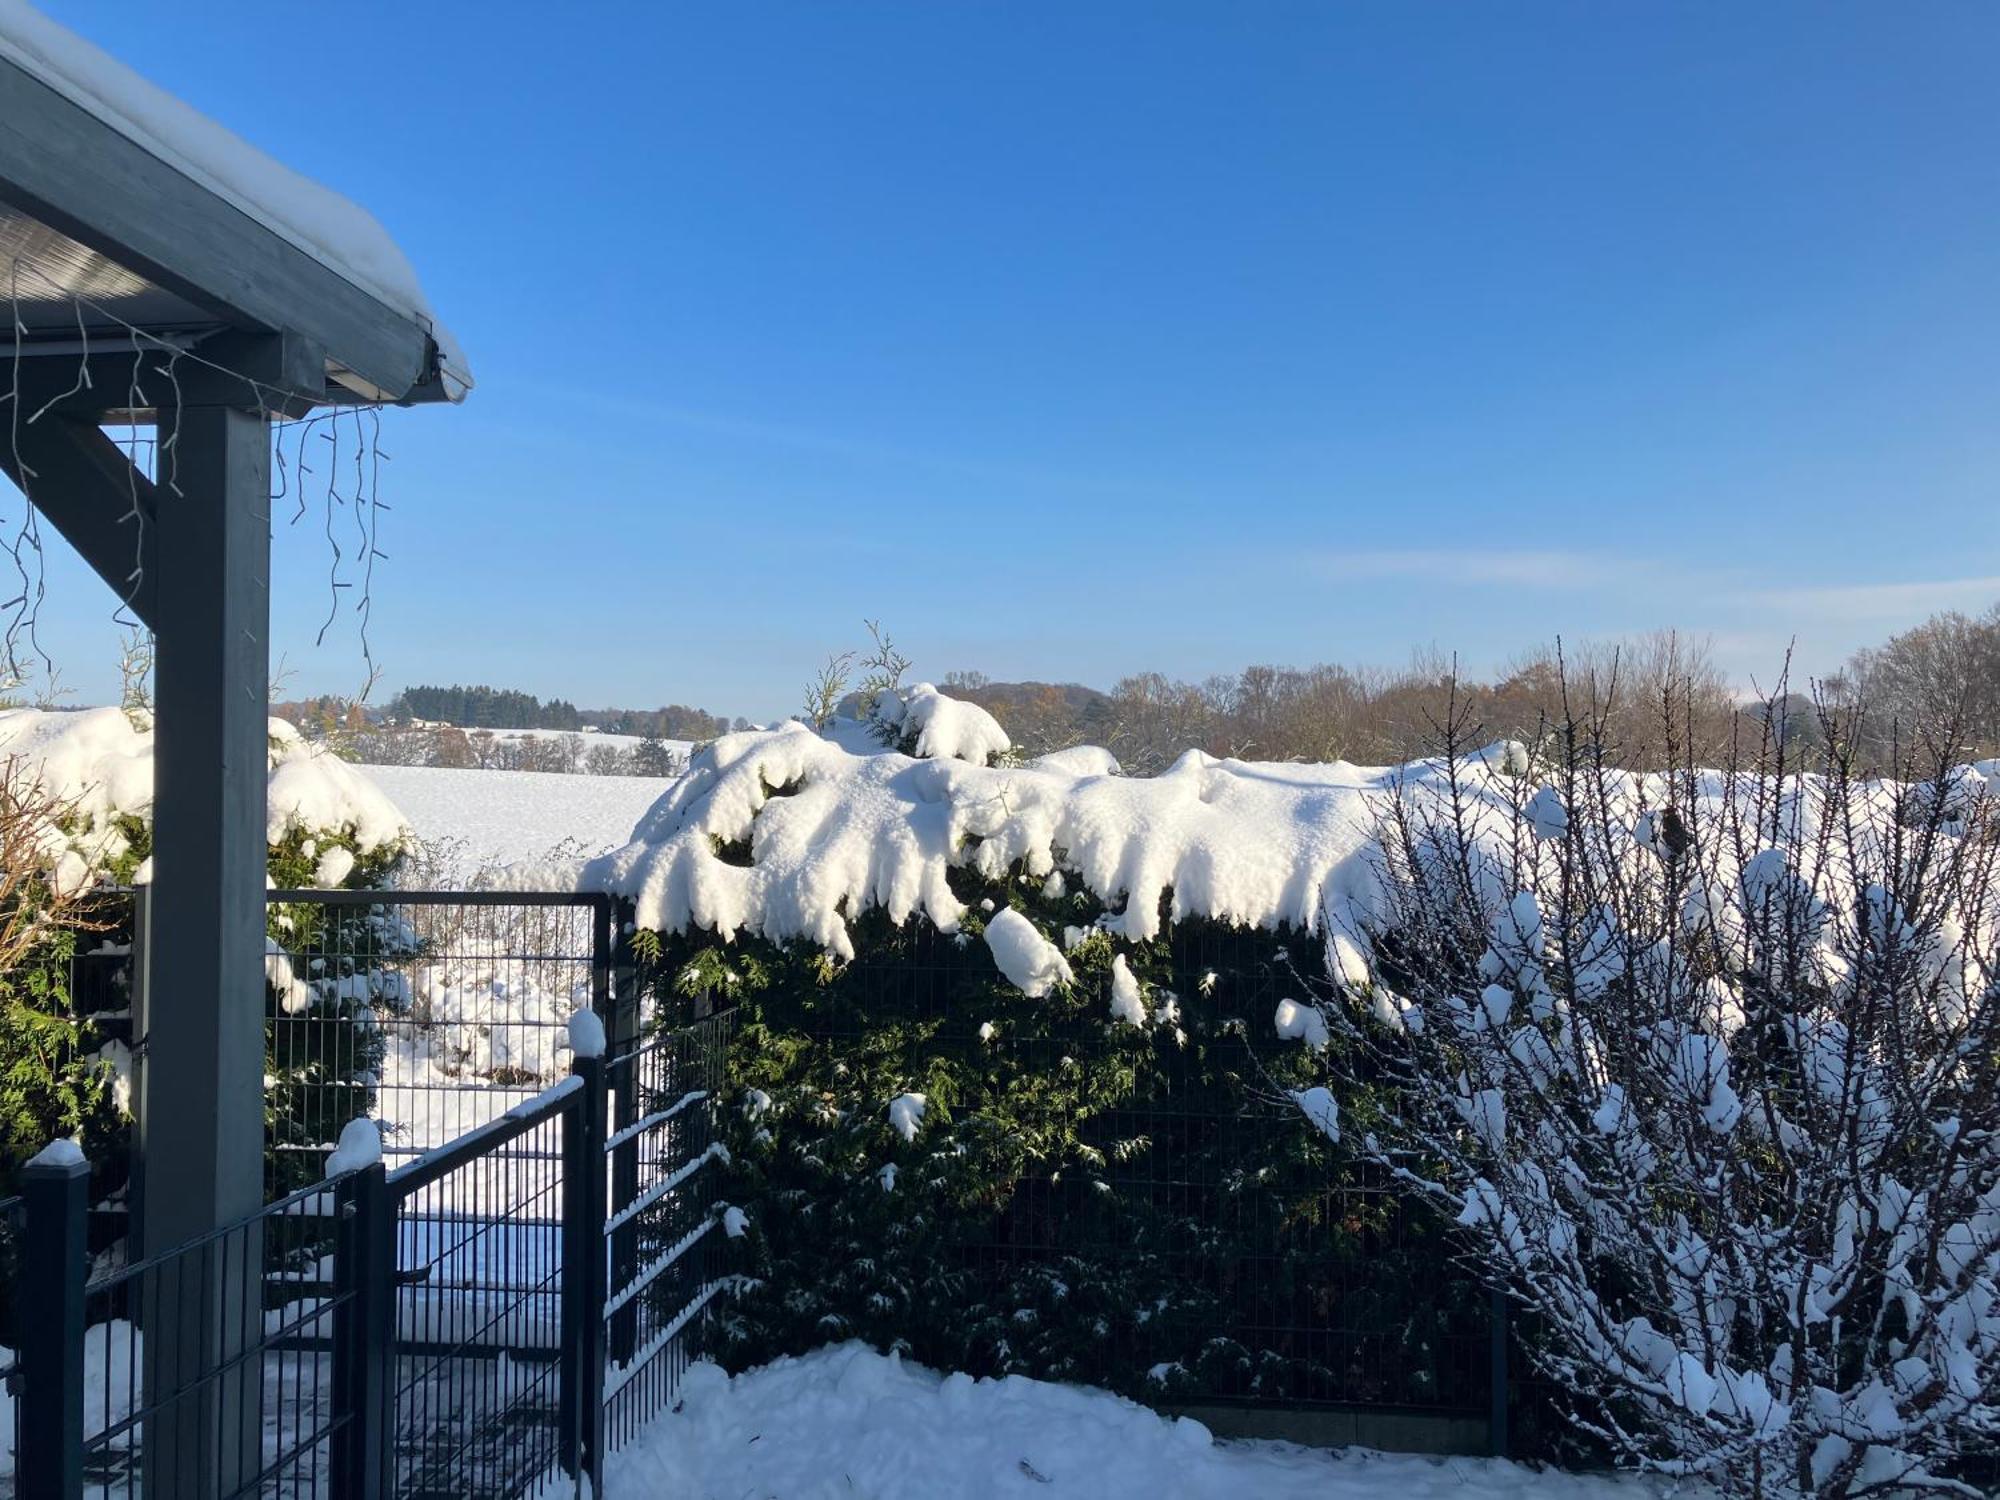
(846, 1423)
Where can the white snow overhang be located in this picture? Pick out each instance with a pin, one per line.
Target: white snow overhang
(122, 208)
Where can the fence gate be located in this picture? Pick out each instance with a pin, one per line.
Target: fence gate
(485, 1313)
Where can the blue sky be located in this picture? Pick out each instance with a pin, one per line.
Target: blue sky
(1074, 340)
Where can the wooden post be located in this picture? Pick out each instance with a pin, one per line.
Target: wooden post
(203, 1122)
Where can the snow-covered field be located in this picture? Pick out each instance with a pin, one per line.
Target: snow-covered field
(505, 817)
(846, 1423)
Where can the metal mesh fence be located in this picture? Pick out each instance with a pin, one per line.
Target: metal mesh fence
(443, 1328)
(433, 1012)
(664, 1271)
(1264, 1276)
(479, 1316)
(204, 1367)
(11, 1367)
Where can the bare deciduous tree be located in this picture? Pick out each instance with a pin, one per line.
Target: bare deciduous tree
(1946, 669)
(1706, 1065)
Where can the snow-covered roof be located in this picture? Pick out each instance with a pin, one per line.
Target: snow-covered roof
(337, 232)
(332, 230)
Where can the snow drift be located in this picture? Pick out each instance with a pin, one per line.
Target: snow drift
(845, 1421)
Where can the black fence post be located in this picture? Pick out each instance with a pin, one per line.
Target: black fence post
(581, 1390)
(1496, 1419)
(55, 1192)
(364, 1319)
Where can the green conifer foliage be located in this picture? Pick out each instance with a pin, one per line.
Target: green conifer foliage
(1136, 1206)
(54, 1079)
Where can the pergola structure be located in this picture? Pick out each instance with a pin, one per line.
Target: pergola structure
(162, 271)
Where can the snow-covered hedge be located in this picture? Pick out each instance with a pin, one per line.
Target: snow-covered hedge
(786, 865)
(327, 826)
(785, 834)
(1005, 1089)
(98, 762)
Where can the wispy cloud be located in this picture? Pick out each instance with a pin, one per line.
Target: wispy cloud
(1881, 601)
(1652, 579)
(648, 410)
(1573, 571)
(639, 413)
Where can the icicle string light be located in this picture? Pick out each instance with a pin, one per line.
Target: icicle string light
(150, 451)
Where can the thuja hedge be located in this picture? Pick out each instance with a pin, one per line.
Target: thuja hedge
(1141, 1208)
(323, 1059)
(54, 1079)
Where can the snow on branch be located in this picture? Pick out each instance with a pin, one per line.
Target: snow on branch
(788, 834)
(1706, 1068)
(99, 766)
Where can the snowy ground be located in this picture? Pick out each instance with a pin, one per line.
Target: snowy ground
(849, 1423)
(506, 817)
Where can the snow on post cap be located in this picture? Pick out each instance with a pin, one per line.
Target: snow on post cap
(586, 1033)
(60, 1152)
(360, 1146)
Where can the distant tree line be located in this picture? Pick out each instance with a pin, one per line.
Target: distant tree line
(1657, 688)
(1656, 699)
(452, 748)
(484, 707)
(1944, 672)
